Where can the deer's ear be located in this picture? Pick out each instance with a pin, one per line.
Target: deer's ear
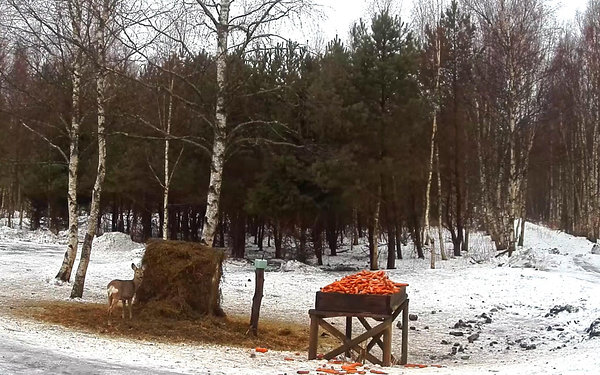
(133, 267)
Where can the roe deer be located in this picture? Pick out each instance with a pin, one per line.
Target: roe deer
(124, 290)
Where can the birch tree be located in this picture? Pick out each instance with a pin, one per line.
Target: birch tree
(103, 11)
(516, 38)
(573, 122)
(75, 15)
(590, 121)
(245, 24)
(166, 120)
(458, 88)
(60, 28)
(429, 18)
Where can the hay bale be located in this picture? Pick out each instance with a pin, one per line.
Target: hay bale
(181, 280)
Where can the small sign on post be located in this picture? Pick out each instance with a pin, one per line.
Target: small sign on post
(259, 265)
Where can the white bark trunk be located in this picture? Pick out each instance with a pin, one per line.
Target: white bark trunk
(64, 274)
(218, 153)
(440, 226)
(513, 177)
(86, 248)
(101, 88)
(426, 230)
(167, 171)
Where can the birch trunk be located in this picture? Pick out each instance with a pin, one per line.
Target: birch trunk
(101, 89)
(594, 190)
(440, 227)
(513, 191)
(167, 173)
(86, 248)
(426, 234)
(20, 205)
(218, 152)
(64, 274)
(426, 230)
(490, 223)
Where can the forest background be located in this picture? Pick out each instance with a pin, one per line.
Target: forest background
(204, 121)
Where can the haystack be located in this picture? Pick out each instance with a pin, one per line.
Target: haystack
(181, 280)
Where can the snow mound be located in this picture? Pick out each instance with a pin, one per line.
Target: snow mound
(42, 236)
(292, 265)
(115, 242)
(531, 258)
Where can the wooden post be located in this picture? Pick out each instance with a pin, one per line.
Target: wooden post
(313, 336)
(404, 357)
(348, 333)
(387, 346)
(260, 265)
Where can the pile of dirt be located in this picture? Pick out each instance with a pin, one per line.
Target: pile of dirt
(181, 280)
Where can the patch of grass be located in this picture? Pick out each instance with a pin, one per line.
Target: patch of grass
(228, 331)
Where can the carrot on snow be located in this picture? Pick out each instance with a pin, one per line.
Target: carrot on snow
(328, 370)
(364, 282)
(261, 350)
(418, 365)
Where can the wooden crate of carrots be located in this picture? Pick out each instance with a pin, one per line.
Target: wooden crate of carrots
(362, 292)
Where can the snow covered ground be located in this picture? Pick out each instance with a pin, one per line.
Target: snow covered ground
(508, 302)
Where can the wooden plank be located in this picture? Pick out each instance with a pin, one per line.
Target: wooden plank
(377, 329)
(375, 339)
(332, 314)
(348, 332)
(313, 337)
(404, 356)
(383, 304)
(387, 346)
(347, 344)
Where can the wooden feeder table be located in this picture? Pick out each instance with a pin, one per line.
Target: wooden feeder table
(382, 308)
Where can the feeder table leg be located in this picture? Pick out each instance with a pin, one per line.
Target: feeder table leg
(348, 333)
(313, 337)
(404, 357)
(387, 346)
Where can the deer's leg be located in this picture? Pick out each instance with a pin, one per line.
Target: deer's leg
(113, 303)
(124, 307)
(109, 307)
(130, 307)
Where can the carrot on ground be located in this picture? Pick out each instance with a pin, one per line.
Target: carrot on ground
(328, 370)
(261, 350)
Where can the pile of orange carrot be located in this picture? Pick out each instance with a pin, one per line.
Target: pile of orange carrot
(364, 282)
